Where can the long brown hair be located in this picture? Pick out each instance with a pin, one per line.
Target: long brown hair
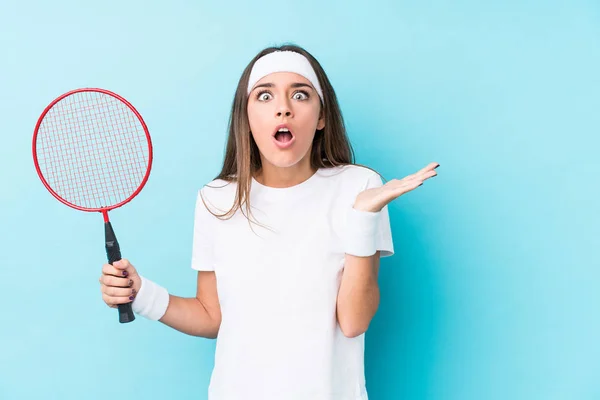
(331, 146)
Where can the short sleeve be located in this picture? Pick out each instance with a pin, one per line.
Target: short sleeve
(383, 235)
(203, 236)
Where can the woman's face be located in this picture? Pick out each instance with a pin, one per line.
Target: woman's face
(280, 101)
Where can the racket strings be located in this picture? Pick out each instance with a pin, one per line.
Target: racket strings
(92, 150)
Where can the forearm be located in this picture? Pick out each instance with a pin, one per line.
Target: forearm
(189, 316)
(358, 296)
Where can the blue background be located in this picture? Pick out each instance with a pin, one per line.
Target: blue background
(493, 291)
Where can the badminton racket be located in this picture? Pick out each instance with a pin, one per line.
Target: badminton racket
(92, 151)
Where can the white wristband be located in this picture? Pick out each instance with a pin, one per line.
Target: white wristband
(151, 301)
(361, 231)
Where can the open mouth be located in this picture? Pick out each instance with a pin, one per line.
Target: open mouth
(283, 135)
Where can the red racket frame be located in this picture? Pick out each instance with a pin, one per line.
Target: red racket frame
(103, 210)
(112, 245)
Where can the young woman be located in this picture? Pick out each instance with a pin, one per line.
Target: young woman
(287, 242)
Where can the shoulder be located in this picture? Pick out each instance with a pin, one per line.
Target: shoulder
(353, 175)
(217, 195)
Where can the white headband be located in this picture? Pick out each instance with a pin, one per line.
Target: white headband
(283, 61)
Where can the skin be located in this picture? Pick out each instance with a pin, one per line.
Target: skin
(279, 98)
(276, 100)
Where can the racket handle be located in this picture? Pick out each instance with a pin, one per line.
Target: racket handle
(113, 253)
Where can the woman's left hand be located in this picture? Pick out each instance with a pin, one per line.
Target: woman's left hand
(375, 199)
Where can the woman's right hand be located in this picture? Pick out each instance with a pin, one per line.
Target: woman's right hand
(119, 283)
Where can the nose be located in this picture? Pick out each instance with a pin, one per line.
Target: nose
(284, 109)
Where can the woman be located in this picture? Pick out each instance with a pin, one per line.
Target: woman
(287, 242)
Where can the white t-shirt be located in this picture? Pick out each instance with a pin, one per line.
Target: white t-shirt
(279, 338)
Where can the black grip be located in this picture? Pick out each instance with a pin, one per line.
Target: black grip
(113, 252)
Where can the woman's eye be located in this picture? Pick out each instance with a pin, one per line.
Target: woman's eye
(300, 95)
(264, 96)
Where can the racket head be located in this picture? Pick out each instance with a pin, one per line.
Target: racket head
(98, 125)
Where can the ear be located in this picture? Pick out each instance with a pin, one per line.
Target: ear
(321, 122)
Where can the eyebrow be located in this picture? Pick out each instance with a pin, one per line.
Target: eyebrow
(293, 85)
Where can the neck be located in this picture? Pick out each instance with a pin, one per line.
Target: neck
(282, 177)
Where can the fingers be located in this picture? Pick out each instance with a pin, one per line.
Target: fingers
(108, 269)
(113, 302)
(411, 182)
(423, 174)
(428, 171)
(109, 280)
(116, 283)
(122, 268)
(397, 187)
(122, 264)
(114, 295)
(428, 175)
(410, 185)
(116, 292)
(429, 167)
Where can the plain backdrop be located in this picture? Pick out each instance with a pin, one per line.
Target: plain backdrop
(493, 291)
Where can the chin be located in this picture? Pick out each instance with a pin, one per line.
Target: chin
(285, 158)
(284, 161)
